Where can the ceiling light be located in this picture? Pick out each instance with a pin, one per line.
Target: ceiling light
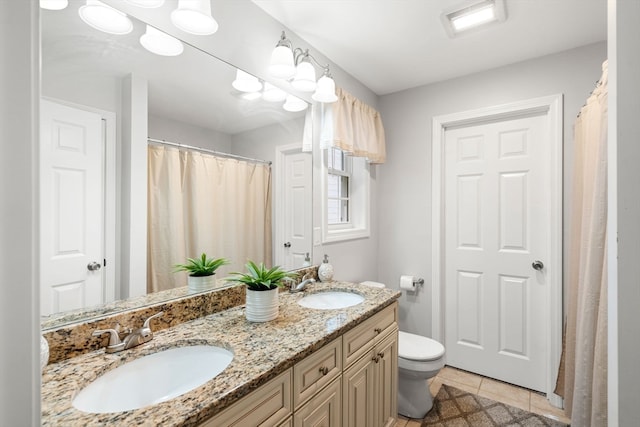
(149, 4)
(105, 18)
(294, 104)
(155, 41)
(194, 17)
(245, 82)
(326, 89)
(54, 4)
(273, 94)
(473, 15)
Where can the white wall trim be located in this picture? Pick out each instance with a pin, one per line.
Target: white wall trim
(551, 106)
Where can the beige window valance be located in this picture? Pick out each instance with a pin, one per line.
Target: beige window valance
(354, 127)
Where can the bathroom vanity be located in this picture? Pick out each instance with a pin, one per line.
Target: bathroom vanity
(308, 364)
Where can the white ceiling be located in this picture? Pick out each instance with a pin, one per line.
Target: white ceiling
(391, 45)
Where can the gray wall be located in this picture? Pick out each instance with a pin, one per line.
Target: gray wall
(19, 255)
(405, 180)
(184, 133)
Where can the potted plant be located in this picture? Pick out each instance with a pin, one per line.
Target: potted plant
(201, 271)
(262, 290)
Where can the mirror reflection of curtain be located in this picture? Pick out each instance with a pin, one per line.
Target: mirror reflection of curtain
(199, 203)
(584, 362)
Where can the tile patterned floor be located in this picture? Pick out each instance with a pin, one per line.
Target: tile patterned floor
(496, 390)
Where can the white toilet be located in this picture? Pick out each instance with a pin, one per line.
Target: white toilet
(419, 358)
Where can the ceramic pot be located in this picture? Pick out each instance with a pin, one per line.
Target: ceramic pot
(201, 283)
(261, 306)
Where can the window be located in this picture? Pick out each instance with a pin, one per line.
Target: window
(338, 178)
(345, 196)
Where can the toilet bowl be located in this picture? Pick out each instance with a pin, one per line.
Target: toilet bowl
(419, 358)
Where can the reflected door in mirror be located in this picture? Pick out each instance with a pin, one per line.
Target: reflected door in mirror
(71, 202)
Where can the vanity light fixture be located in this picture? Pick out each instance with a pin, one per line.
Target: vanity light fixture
(148, 4)
(160, 43)
(194, 17)
(54, 4)
(293, 104)
(245, 82)
(105, 18)
(473, 14)
(297, 66)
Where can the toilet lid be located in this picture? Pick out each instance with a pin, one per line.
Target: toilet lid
(419, 348)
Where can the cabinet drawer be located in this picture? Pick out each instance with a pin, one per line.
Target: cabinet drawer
(314, 372)
(358, 340)
(267, 406)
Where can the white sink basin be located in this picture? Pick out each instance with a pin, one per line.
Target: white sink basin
(331, 300)
(153, 379)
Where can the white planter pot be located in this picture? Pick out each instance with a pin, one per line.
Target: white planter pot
(261, 306)
(201, 283)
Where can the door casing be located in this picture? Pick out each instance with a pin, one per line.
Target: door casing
(551, 107)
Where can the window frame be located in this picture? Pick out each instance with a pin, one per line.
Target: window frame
(358, 225)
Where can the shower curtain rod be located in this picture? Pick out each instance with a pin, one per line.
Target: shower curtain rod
(205, 150)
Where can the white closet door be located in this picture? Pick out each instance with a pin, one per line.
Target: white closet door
(497, 224)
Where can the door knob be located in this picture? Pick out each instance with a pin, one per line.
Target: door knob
(537, 265)
(287, 245)
(93, 266)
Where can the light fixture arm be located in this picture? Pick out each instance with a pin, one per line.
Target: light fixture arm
(304, 55)
(300, 54)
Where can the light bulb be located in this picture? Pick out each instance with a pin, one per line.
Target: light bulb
(245, 82)
(305, 78)
(105, 18)
(194, 17)
(294, 104)
(160, 43)
(326, 90)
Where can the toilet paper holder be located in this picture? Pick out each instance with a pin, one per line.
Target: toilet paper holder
(418, 281)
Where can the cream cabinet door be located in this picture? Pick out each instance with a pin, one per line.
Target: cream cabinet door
(358, 385)
(323, 410)
(386, 381)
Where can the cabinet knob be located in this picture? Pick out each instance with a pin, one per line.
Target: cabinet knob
(381, 354)
(377, 330)
(324, 370)
(376, 358)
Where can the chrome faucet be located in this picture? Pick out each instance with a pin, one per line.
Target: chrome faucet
(300, 286)
(135, 337)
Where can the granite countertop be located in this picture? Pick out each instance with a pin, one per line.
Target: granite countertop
(261, 352)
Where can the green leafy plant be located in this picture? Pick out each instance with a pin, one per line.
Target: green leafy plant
(260, 278)
(202, 266)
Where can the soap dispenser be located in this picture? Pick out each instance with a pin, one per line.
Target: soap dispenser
(325, 271)
(307, 261)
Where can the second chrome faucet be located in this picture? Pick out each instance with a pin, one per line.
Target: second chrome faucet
(133, 339)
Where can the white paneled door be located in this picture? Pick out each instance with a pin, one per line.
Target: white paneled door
(496, 218)
(293, 215)
(71, 208)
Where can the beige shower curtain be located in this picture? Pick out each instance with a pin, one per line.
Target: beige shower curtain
(203, 203)
(585, 358)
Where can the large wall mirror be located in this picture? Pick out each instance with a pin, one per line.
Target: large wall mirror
(187, 99)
